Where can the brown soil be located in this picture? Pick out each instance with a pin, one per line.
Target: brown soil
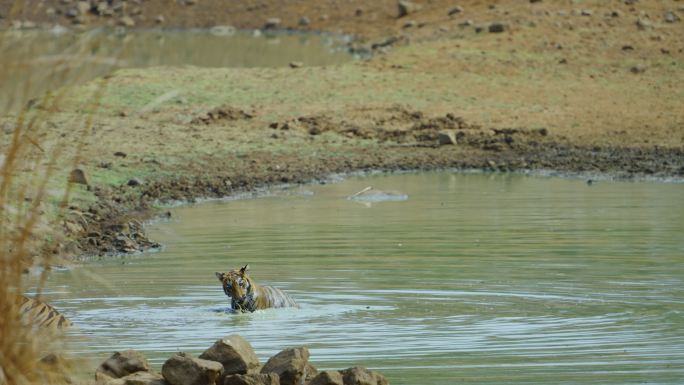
(544, 84)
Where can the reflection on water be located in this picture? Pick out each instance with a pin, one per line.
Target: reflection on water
(476, 278)
(52, 59)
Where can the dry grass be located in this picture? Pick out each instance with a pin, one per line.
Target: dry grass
(30, 222)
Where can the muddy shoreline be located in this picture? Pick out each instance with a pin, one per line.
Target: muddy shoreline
(118, 228)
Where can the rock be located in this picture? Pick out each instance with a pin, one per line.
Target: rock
(190, 2)
(296, 64)
(83, 7)
(272, 23)
(446, 137)
(222, 30)
(234, 353)
(71, 13)
(120, 154)
(406, 8)
(159, 19)
(134, 182)
(139, 378)
(77, 175)
(328, 377)
(121, 364)
(586, 12)
(638, 69)
(671, 17)
(496, 27)
(643, 24)
(290, 365)
(127, 21)
(455, 10)
(183, 369)
(252, 379)
(304, 21)
(362, 376)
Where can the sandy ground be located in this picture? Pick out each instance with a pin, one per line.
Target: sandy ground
(591, 86)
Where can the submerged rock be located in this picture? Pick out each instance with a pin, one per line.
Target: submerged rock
(362, 376)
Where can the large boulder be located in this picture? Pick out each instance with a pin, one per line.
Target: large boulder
(362, 376)
(252, 379)
(291, 365)
(121, 364)
(328, 377)
(183, 369)
(234, 353)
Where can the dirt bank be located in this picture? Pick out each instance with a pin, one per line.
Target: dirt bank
(496, 85)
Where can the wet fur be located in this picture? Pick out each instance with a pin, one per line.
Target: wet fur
(247, 296)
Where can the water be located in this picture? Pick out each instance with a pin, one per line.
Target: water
(475, 278)
(36, 61)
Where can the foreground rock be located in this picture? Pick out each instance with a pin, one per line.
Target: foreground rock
(139, 378)
(328, 377)
(291, 365)
(252, 379)
(234, 353)
(183, 369)
(121, 364)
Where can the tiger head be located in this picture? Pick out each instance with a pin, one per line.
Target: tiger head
(238, 286)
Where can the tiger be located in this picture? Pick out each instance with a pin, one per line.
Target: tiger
(247, 296)
(39, 314)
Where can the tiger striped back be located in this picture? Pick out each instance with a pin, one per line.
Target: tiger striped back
(40, 314)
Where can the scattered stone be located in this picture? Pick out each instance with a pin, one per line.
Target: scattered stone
(586, 12)
(406, 8)
(638, 69)
(252, 379)
(615, 13)
(290, 365)
(455, 10)
(127, 21)
(272, 23)
(159, 19)
(328, 377)
(446, 137)
(222, 30)
(77, 175)
(410, 24)
(671, 17)
(296, 64)
(535, 1)
(234, 353)
(362, 376)
(71, 13)
(49, 11)
(643, 24)
(304, 21)
(627, 47)
(121, 364)
(120, 154)
(183, 369)
(496, 27)
(83, 7)
(134, 182)
(190, 2)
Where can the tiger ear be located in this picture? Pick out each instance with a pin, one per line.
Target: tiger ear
(244, 268)
(219, 276)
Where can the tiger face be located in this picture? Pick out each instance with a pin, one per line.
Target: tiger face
(238, 286)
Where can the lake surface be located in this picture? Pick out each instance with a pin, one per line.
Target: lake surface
(475, 278)
(32, 62)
